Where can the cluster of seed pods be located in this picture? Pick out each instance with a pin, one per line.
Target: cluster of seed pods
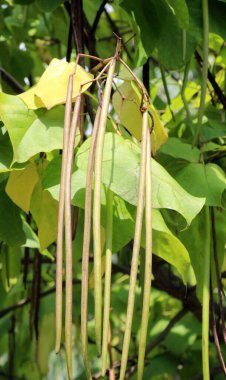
(93, 217)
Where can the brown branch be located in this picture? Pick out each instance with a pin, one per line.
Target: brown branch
(69, 43)
(97, 18)
(214, 329)
(166, 331)
(12, 82)
(171, 284)
(213, 372)
(150, 346)
(116, 30)
(77, 26)
(146, 76)
(221, 96)
(216, 261)
(26, 301)
(35, 295)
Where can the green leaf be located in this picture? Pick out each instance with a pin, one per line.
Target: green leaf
(45, 342)
(120, 172)
(20, 186)
(193, 237)
(44, 210)
(10, 259)
(31, 237)
(6, 152)
(176, 148)
(201, 180)
(167, 246)
(180, 9)
(183, 335)
(44, 135)
(159, 28)
(217, 10)
(11, 227)
(16, 117)
(48, 6)
(31, 132)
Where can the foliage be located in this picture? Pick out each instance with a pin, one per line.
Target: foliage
(165, 50)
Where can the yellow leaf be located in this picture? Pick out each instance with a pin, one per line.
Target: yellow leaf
(44, 210)
(20, 186)
(127, 102)
(52, 86)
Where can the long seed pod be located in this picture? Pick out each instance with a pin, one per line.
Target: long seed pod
(107, 289)
(148, 262)
(59, 250)
(97, 205)
(68, 237)
(86, 246)
(206, 299)
(136, 247)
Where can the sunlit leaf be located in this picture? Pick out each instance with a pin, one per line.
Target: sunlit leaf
(176, 148)
(31, 132)
(52, 86)
(169, 247)
(44, 210)
(20, 186)
(127, 103)
(121, 161)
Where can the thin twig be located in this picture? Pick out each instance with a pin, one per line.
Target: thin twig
(214, 328)
(218, 278)
(97, 17)
(221, 96)
(26, 301)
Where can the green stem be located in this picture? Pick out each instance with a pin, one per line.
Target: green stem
(59, 250)
(184, 44)
(107, 289)
(185, 80)
(136, 248)
(86, 246)
(148, 263)
(166, 90)
(206, 299)
(97, 205)
(204, 67)
(68, 238)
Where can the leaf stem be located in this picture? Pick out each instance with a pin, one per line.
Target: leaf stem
(86, 246)
(166, 90)
(136, 248)
(148, 262)
(68, 237)
(97, 205)
(59, 250)
(206, 299)
(107, 289)
(185, 80)
(205, 15)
